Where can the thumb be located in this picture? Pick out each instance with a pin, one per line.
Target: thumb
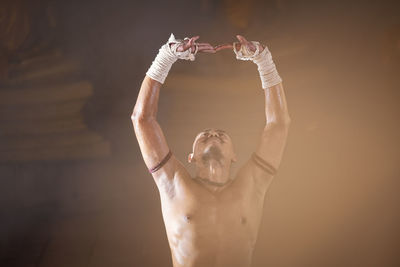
(193, 39)
(241, 38)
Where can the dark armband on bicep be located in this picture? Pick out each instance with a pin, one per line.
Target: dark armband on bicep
(159, 165)
(264, 165)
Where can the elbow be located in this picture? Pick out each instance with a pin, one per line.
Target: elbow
(281, 122)
(280, 127)
(139, 116)
(139, 120)
(136, 115)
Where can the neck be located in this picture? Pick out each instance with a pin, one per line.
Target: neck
(214, 173)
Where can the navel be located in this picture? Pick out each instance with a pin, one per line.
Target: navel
(188, 218)
(243, 220)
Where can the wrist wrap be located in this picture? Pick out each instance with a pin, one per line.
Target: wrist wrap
(266, 66)
(167, 55)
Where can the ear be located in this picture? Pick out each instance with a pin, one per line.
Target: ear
(234, 158)
(190, 158)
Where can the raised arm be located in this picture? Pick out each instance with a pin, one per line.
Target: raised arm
(274, 135)
(265, 162)
(152, 142)
(148, 132)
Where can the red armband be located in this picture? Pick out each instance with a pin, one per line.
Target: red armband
(264, 165)
(159, 165)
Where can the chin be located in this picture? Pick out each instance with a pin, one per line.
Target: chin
(212, 152)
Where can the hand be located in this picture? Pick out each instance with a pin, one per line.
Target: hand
(190, 43)
(242, 41)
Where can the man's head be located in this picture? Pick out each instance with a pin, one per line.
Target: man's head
(212, 145)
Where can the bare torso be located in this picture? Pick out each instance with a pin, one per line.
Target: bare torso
(207, 228)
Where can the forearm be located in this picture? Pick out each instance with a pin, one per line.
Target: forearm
(275, 101)
(146, 105)
(276, 111)
(274, 135)
(147, 102)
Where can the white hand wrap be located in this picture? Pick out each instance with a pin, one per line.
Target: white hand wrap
(167, 56)
(266, 66)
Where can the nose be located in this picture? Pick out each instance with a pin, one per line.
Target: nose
(213, 133)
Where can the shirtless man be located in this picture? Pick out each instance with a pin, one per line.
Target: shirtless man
(211, 220)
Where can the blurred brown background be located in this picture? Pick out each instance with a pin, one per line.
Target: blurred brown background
(74, 190)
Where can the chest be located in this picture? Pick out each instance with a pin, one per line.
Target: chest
(232, 213)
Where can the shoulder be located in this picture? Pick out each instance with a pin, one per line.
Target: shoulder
(169, 176)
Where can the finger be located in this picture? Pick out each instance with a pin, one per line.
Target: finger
(189, 43)
(223, 46)
(193, 47)
(192, 40)
(200, 48)
(205, 46)
(208, 51)
(245, 42)
(242, 39)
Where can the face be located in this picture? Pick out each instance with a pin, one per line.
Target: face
(212, 144)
